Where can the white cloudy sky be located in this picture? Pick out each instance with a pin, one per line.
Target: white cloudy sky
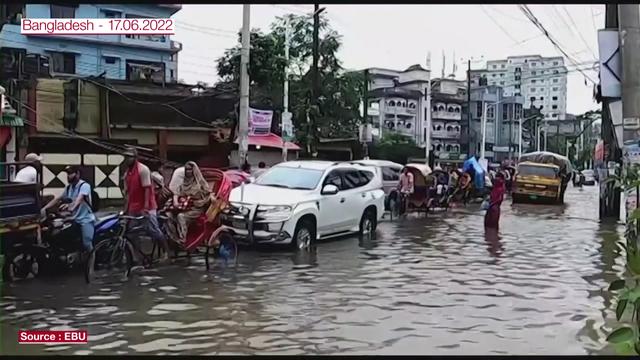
(397, 36)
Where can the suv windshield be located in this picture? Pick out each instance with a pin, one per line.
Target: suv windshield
(291, 178)
(542, 171)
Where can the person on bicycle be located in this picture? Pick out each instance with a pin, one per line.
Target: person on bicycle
(140, 197)
(77, 200)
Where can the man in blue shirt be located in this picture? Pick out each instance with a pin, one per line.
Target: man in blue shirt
(77, 199)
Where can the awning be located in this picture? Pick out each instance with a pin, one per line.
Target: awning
(11, 120)
(5, 136)
(271, 140)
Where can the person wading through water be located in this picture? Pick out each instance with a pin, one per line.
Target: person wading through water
(492, 217)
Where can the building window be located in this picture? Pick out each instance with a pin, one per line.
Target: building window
(491, 113)
(63, 11)
(554, 107)
(63, 63)
(501, 74)
(555, 89)
(505, 111)
(532, 89)
(111, 14)
(517, 86)
(495, 66)
(556, 72)
(533, 64)
(554, 115)
(502, 66)
(493, 75)
(555, 63)
(110, 60)
(391, 103)
(501, 82)
(541, 98)
(533, 73)
(533, 81)
(171, 74)
(555, 80)
(518, 69)
(479, 109)
(554, 98)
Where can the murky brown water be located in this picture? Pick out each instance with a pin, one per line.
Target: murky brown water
(424, 286)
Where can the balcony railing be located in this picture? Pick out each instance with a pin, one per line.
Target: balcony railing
(446, 115)
(445, 134)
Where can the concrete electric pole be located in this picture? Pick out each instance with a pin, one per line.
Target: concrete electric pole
(243, 123)
(286, 116)
(315, 83)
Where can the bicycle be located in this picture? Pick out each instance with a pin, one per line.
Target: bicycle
(118, 252)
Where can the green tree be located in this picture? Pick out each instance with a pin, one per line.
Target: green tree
(340, 91)
(396, 148)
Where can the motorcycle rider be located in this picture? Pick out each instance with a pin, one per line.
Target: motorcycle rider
(77, 200)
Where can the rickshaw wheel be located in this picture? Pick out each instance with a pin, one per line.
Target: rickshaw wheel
(19, 265)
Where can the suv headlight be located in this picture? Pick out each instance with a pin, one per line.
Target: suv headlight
(274, 213)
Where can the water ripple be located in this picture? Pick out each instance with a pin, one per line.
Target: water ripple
(424, 285)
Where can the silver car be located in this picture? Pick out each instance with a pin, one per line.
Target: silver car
(389, 171)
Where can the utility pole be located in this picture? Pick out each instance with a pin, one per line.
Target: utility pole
(365, 112)
(546, 133)
(629, 25)
(484, 130)
(243, 125)
(610, 195)
(427, 119)
(520, 138)
(285, 96)
(314, 79)
(511, 120)
(469, 106)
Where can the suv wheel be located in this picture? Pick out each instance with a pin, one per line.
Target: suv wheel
(304, 235)
(368, 222)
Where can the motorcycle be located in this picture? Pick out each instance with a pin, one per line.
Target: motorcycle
(60, 248)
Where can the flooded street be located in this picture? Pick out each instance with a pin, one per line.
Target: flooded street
(433, 285)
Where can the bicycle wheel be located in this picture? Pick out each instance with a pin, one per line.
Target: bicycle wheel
(109, 257)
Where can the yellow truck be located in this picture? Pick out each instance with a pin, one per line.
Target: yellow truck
(537, 182)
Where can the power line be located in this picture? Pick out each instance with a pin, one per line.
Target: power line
(498, 24)
(578, 30)
(527, 12)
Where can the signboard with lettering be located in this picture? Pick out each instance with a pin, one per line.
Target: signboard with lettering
(260, 122)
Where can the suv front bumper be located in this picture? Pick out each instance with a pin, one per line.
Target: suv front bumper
(247, 229)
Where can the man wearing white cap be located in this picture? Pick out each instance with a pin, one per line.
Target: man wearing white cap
(29, 174)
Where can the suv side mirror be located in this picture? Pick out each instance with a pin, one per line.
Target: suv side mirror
(329, 190)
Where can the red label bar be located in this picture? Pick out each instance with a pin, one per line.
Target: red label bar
(52, 337)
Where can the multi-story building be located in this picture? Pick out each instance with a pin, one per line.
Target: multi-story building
(399, 102)
(448, 96)
(541, 81)
(502, 128)
(122, 57)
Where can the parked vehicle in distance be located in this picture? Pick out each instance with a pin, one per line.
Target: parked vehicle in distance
(389, 172)
(299, 202)
(589, 177)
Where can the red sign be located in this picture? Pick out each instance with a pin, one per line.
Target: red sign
(52, 337)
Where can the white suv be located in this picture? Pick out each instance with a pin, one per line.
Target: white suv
(298, 202)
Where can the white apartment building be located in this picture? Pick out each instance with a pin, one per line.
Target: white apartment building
(541, 81)
(399, 102)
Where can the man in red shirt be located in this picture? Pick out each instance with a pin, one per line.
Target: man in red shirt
(140, 197)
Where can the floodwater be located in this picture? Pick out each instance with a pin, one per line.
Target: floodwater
(435, 285)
